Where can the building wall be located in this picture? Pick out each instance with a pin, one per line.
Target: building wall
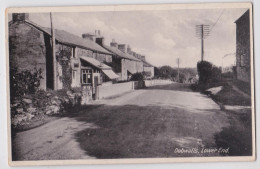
(76, 73)
(150, 70)
(131, 66)
(64, 54)
(139, 66)
(30, 48)
(243, 48)
(27, 49)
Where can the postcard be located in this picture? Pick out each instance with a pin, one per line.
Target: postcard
(118, 84)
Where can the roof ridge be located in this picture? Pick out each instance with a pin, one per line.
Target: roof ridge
(78, 41)
(122, 54)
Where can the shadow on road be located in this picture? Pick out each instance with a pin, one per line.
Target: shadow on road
(132, 131)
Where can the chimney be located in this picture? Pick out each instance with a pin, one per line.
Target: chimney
(122, 47)
(134, 54)
(18, 17)
(143, 58)
(128, 49)
(100, 41)
(88, 36)
(113, 43)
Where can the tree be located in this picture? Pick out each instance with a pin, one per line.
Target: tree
(208, 72)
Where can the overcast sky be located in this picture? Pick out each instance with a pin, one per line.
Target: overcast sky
(162, 36)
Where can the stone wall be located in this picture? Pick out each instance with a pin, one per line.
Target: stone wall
(64, 54)
(243, 47)
(243, 74)
(157, 82)
(27, 49)
(34, 107)
(114, 89)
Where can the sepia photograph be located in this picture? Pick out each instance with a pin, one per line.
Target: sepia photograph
(130, 84)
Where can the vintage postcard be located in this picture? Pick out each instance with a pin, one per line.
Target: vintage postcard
(130, 84)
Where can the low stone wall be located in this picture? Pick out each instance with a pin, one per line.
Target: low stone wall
(28, 107)
(114, 89)
(157, 82)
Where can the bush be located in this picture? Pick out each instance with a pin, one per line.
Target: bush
(208, 73)
(24, 82)
(137, 77)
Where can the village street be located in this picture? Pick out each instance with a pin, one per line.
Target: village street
(160, 121)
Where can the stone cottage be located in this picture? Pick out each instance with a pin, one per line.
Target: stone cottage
(243, 47)
(123, 63)
(78, 61)
(148, 68)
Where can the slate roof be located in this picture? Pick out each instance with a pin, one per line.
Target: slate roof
(147, 64)
(95, 62)
(105, 69)
(71, 39)
(120, 53)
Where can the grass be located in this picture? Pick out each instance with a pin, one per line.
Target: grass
(238, 136)
(228, 96)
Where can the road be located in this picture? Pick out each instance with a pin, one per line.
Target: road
(161, 121)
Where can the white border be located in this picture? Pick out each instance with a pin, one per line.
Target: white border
(154, 161)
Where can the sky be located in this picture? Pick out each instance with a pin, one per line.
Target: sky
(162, 36)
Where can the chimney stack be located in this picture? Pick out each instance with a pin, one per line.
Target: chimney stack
(113, 43)
(88, 36)
(100, 41)
(129, 51)
(122, 47)
(19, 17)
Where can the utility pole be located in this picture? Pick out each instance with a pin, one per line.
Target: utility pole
(178, 75)
(202, 31)
(53, 55)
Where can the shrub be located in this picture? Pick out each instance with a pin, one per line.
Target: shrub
(137, 77)
(24, 82)
(208, 73)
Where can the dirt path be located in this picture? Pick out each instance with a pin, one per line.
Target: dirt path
(52, 141)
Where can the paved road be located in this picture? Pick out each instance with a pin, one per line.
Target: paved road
(189, 119)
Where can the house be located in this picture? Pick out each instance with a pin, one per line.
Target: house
(147, 67)
(123, 63)
(243, 48)
(78, 61)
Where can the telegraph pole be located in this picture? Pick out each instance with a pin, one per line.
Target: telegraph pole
(202, 42)
(202, 31)
(178, 75)
(53, 55)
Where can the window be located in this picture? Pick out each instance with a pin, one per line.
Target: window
(76, 65)
(86, 76)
